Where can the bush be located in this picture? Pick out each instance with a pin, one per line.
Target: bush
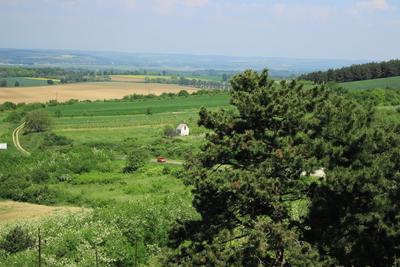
(7, 106)
(169, 131)
(135, 160)
(37, 121)
(16, 240)
(51, 139)
(15, 116)
(166, 170)
(183, 93)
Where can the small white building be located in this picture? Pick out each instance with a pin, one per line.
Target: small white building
(182, 130)
(3, 146)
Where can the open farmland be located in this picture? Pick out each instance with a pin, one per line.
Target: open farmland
(85, 91)
(135, 78)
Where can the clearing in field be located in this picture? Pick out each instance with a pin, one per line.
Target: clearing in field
(86, 91)
(15, 211)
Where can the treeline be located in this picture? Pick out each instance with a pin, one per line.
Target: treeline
(182, 93)
(198, 83)
(65, 76)
(356, 72)
(223, 76)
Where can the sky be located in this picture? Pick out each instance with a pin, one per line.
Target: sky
(327, 29)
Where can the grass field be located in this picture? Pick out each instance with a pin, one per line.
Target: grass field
(135, 78)
(11, 211)
(108, 126)
(28, 82)
(156, 105)
(392, 82)
(85, 91)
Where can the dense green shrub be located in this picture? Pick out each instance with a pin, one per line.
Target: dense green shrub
(37, 121)
(52, 139)
(7, 106)
(135, 160)
(169, 131)
(16, 240)
(171, 147)
(15, 116)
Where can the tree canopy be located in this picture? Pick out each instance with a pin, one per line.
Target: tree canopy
(254, 169)
(356, 72)
(37, 121)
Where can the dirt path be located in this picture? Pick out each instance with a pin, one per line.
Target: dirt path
(16, 139)
(169, 161)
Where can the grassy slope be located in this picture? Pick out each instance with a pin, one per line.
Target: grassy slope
(392, 82)
(97, 187)
(114, 129)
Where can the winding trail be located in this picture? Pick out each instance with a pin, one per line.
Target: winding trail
(16, 142)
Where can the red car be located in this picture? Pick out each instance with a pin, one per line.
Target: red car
(161, 160)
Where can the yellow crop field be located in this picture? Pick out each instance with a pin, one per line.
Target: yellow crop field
(45, 79)
(85, 91)
(16, 211)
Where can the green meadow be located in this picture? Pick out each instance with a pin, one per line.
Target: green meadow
(28, 82)
(156, 105)
(392, 82)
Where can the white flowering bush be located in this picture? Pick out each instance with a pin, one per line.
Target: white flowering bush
(118, 234)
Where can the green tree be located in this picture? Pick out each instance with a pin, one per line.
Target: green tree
(58, 113)
(183, 93)
(354, 211)
(224, 77)
(149, 111)
(3, 83)
(37, 121)
(169, 131)
(248, 175)
(16, 84)
(136, 159)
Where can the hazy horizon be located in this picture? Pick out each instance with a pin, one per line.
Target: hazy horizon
(302, 29)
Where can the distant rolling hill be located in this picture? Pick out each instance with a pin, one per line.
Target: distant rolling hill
(391, 82)
(106, 60)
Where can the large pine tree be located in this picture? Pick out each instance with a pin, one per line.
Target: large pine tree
(249, 176)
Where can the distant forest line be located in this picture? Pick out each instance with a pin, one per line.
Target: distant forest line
(65, 76)
(353, 73)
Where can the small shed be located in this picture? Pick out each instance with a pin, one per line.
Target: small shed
(3, 146)
(182, 130)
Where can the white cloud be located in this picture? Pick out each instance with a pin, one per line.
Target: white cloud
(168, 6)
(195, 3)
(371, 5)
(299, 12)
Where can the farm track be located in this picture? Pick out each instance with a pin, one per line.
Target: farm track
(169, 161)
(16, 142)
